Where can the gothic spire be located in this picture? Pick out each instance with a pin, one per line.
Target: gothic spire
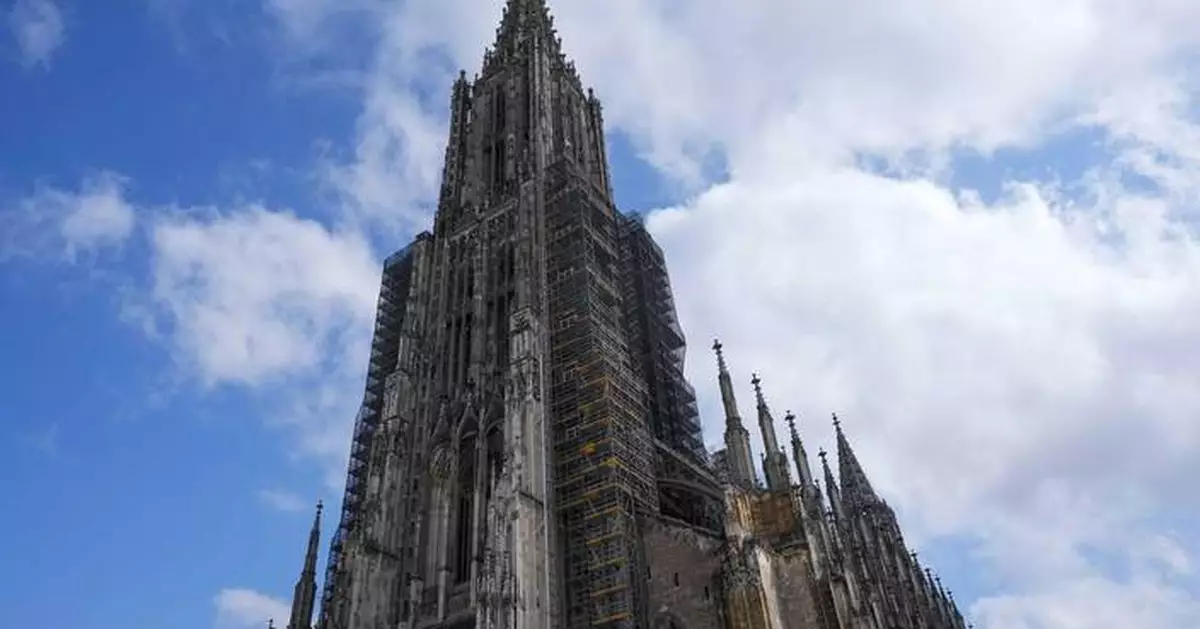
(799, 455)
(305, 594)
(831, 486)
(856, 489)
(521, 20)
(765, 421)
(737, 438)
(774, 461)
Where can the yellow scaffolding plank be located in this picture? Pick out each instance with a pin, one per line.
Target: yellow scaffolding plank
(611, 619)
(604, 538)
(609, 590)
(610, 562)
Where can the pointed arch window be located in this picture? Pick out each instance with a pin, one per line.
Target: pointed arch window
(466, 503)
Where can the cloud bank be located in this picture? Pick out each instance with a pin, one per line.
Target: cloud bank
(1016, 369)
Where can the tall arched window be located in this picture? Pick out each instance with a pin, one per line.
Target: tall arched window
(495, 457)
(466, 502)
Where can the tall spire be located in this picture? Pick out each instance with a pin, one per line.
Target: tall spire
(737, 438)
(799, 455)
(856, 489)
(765, 421)
(831, 486)
(774, 461)
(305, 594)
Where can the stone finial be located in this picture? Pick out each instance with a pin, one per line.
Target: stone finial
(823, 454)
(270, 623)
(837, 423)
(790, 418)
(717, 347)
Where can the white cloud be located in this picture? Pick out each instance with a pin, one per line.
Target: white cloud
(256, 294)
(264, 299)
(1015, 372)
(285, 501)
(37, 26)
(54, 222)
(1093, 603)
(239, 607)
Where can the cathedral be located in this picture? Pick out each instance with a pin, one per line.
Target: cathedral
(528, 453)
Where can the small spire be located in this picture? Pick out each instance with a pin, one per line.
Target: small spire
(799, 455)
(270, 623)
(737, 438)
(305, 594)
(831, 486)
(774, 461)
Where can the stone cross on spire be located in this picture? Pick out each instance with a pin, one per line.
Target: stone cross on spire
(717, 347)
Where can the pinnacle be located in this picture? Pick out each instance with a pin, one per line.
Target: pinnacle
(855, 485)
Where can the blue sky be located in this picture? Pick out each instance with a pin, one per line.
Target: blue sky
(194, 197)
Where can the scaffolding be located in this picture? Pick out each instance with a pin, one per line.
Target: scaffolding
(389, 317)
(657, 342)
(603, 450)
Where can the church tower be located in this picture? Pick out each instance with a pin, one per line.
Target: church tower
(508, 455)
(528, 453)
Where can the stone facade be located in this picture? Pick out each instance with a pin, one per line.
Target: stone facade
(528, 454)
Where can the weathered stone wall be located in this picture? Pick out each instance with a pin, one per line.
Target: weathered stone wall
(791, 588)
(684, 564)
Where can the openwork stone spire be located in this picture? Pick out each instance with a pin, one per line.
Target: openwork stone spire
(856, 488)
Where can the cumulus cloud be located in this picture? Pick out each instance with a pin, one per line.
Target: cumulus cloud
(255, 294)
(261, 298)
(1011, 372)
(239, 607)
(64, 223)
(1014, 371)
(37, 26)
